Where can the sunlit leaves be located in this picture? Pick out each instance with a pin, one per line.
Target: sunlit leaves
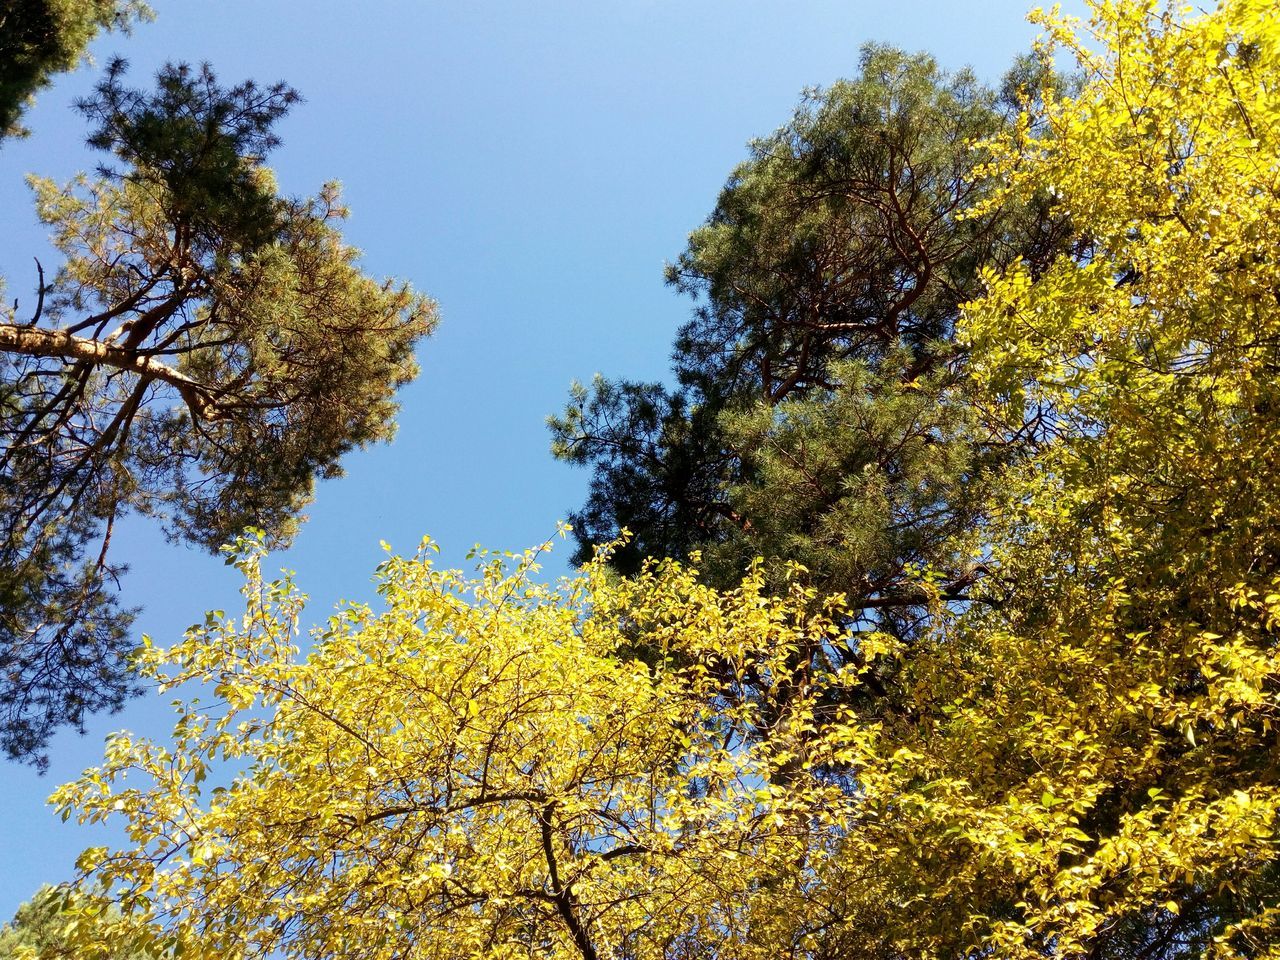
(471, 771)
(1080, 758)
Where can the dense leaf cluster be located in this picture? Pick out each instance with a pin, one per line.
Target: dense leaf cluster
(39, 932)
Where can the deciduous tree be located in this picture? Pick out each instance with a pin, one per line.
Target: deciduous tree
(1089, 766)
(1085, 766)
(472, 772)
(39, 931)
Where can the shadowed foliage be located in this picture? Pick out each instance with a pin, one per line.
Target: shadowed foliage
(820, 412)
(208, 349)
(40, 38)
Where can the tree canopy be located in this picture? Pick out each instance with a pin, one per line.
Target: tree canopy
(471, 772)
(822, 413)
(38, 931)
(1082, 765)
(1079, 760)
(207, 350)
(40, 38)
(817, 416)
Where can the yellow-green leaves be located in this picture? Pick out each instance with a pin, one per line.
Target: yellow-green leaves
(1132, 659)
(470, 772)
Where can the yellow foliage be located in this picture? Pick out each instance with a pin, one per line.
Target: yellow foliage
(1113, 717)
(1084, 763)
(471, 771)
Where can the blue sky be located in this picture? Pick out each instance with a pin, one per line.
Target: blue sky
(529, 165)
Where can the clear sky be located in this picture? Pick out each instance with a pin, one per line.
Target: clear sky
(529, 165)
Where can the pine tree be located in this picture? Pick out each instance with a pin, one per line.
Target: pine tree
(40, 38)
(207, 351)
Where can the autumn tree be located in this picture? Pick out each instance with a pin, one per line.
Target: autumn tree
(471, 772)
(1083, 766)
(38, 931)
(41, 38)
(208, 349)
(1088, 767)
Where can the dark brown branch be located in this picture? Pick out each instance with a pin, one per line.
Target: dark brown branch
(626, 850)
(100, 320)
(914, 596)
(529, 796)
(562, 895)
(41, 289)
